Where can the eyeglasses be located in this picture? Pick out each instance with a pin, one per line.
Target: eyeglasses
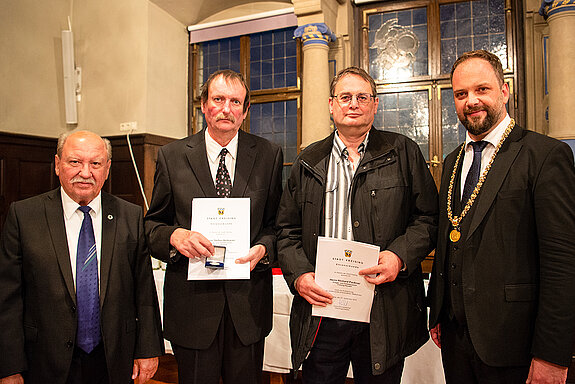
(344, 99)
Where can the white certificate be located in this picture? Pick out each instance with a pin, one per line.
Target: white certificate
(336, 270)
(226, 223)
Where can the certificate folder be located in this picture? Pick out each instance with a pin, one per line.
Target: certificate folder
(336, 270)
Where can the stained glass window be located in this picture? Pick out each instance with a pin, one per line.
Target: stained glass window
(218, 54)
(472, 25)
(406, 113)
(398, 46)
(273, 59)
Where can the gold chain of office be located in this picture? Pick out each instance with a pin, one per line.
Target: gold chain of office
(455, 233)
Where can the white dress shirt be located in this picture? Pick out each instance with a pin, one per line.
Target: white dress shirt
(73, 219)
(213, 149)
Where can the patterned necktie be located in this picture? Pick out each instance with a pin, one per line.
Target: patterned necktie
(473, 174)
(223, 181)
(87, 295)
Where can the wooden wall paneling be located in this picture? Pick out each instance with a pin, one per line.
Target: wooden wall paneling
(122, 181)
(26, 168)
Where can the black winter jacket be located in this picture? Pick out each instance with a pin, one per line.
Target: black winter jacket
(394, 206)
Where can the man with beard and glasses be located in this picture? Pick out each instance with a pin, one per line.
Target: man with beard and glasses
(502, 290)
(217, 328)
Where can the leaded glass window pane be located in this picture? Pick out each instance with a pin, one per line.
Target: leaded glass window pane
(406, 113)
(273, 59)
(218, 54)
(398, 44)
(453, 131)
(472, 25)
(277, 122)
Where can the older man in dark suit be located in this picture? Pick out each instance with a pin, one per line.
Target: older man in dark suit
(502, 291)
(217, 328)
(78, 301)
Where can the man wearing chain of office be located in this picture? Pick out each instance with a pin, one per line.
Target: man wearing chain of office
(502, 290)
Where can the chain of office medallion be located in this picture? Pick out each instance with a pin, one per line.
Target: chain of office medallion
(455, 220)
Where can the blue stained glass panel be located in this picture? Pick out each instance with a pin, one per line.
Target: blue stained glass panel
(453, 132)
(277, 122)
(406, 113)
(398, 46)
(472, 25)
(218, 54)
(275, 54)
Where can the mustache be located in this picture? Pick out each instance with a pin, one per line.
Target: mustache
(79, 179)
(223, 116)
(468, 111)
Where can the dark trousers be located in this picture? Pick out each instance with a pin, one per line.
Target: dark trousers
(88, 368)
(339, 342)
(462, 365)
(226, 357)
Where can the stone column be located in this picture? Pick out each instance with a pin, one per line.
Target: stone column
(560, 16)
(315, 81)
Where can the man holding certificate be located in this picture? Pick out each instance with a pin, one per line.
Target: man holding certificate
(216, 327)
(372, 187)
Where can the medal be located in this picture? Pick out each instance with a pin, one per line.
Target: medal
(454, 235)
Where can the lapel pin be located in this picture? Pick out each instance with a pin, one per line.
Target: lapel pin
(110, 217)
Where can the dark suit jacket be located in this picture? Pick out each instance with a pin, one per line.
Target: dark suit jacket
(518, 270)
(192, 310)
(38, 317)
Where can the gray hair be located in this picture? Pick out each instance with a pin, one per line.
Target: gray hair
(64, 136)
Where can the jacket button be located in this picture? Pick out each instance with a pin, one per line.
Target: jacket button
(453, 266)
(356, 224)
(440, 274)
(377, 366)
(73, 309)
(69, 344)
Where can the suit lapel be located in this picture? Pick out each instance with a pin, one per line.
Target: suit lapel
(109, 225)
(244, 164)
(57, 229)
(198, 160)
(495, 177)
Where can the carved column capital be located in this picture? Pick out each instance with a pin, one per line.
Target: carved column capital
(315, 33)
(552, 7)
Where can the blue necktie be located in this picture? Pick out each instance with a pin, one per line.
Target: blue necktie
(223, 181)
(87, 295)
(473, 174)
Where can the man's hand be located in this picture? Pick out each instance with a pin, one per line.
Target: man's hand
(544, 372)
(256, 253)
(191, 244)
(435, 333)
(386, 270)
(309, 290)
(14, 379)
(144, 369)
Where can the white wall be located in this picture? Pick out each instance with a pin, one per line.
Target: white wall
(133, 58)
